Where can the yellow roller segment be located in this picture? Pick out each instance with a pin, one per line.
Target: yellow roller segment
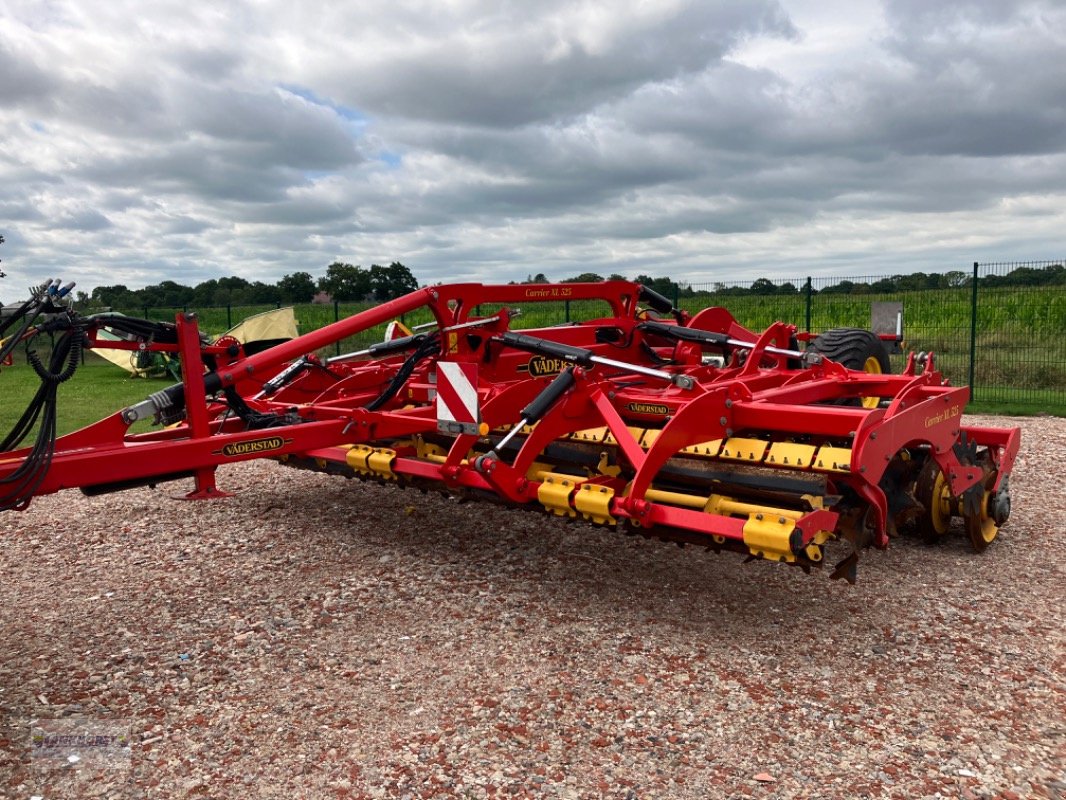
(554, 493)
(372, 460)
(594, 503)
(873, 367)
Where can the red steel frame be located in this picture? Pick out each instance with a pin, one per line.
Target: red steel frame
(760, 393)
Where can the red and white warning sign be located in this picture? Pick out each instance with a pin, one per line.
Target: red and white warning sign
(458, 410)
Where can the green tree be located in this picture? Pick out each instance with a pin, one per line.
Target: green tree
(395, 280)
(259, 293)
(763, 286)
(844, 287)
(584, 277)
(885, 285)
(664, 286)
(117, 296)
(345, 282)
(299, 287)
(231, 291)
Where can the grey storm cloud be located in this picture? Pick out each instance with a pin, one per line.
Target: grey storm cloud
(541, 61)
(481, 140)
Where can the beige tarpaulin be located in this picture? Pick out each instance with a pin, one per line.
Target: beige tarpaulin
(127, 359)
(277, 324)
(271, 325)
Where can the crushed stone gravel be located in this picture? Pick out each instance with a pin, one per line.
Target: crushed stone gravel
(322, 638)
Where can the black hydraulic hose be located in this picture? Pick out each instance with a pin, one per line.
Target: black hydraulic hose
(27, 317)
(18, 488)
(164, 332)
(22, 311)
(659, 303)
(424, 350)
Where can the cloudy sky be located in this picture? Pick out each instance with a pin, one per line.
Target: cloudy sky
(477, 140)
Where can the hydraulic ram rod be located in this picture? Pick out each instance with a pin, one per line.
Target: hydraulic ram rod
(409, 342)
(586, 358)
(533, 412)
(709, 337)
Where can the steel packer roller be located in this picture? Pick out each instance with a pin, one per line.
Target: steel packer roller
(690, 428)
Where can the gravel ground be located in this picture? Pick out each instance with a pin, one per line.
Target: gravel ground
(322, 638)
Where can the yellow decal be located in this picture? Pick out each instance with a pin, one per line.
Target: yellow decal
(545, 292)
(659, 409)
(946, 414)
(539, 366)
(253, 446)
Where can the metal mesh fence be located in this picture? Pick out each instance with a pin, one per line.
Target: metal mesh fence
(999, 327)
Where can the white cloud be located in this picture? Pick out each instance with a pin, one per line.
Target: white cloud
(485, 141)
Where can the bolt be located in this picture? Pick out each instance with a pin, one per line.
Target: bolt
(611, 395)
(723, 421)
(873, 435)
(728, 403)
(728, 431)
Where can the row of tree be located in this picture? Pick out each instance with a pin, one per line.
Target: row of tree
(342, 282)
(1054, 275)
(352, 283)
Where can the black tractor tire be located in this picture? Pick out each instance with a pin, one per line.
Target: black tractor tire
(854, 348)
(857, 349)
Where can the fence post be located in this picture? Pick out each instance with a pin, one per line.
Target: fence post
(336, 318)
(229, 316)
(146, 312)
(567, 304)
(677, 295)
(973, 330)
(808, 291)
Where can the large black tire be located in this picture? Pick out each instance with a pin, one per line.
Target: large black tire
(854, 348)
(857, 349)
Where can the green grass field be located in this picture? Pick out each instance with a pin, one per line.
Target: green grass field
(96, 390)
